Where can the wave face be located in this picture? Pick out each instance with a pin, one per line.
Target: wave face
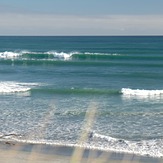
(49, 85)
(75, 91)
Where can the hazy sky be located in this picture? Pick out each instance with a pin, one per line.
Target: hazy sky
(81, 17)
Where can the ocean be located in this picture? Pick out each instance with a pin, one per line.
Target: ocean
(53, 90)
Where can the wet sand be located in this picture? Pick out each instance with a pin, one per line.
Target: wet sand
(14, 152)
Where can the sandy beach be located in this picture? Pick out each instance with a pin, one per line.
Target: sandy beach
(14, 152)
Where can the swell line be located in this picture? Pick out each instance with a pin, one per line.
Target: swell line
(49, 62)
(75, 56)
(53, 58)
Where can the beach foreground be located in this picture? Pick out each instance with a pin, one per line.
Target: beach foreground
(14, 152)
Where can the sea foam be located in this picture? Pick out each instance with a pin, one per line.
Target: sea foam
(141, 92)
(9, 55)
(61, 55)
(7, 87)
(151, 148)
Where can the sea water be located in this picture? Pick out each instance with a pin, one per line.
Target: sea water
(48, 86)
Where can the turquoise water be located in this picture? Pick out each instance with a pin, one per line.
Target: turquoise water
(49, 84)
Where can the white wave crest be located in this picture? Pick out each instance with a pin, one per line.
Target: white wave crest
(9, 55)
(14, 87)
(141, 92)
(57, 55)
(61, 55)
(109, 54)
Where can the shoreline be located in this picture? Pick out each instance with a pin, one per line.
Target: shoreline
(16, 152)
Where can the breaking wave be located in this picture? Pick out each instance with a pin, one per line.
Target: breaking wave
(54, 55)
(141, 92)
(7, 87)
(13, 87)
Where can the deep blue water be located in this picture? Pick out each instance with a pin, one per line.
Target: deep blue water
(49, 84)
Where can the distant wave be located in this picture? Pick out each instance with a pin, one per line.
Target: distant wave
(7, 87)
(76, 55)
(55, 55)
(75, 58)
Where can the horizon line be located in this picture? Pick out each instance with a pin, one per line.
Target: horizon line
(150, 35)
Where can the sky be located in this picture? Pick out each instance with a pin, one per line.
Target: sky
(81, 17)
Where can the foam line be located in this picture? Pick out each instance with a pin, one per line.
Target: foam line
(141, 92)
(13, 87)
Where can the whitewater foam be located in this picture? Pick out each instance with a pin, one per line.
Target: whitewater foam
(9, 55)
(141, 92)
(13, 87)
(151, 148)
(61, 55)
(18, 54)
(108, 54)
